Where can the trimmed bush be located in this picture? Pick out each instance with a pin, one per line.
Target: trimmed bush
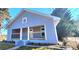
(8, 41)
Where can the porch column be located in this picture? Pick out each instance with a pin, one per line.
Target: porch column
(28, 33)
(20, 33)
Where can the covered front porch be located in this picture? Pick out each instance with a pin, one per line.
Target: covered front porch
(29, 34)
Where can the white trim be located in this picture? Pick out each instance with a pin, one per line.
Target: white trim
(20, 33)
(45, 32)
(56, 33)
(28, 33)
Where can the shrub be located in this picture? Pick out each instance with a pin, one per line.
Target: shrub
(70, 43)
(4, 41)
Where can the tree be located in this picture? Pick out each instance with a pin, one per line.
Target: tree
(66, 26)
(63, 13)
(77, 27)
(4, 14)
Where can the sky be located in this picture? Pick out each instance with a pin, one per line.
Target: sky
(75, 13)
(14, 11)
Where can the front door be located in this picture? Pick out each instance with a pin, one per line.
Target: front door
(24, 33)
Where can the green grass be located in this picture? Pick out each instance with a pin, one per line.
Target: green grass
(4, 46)
(32, 48)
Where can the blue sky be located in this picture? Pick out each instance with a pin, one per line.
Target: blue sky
(14, 11)
(75, 13)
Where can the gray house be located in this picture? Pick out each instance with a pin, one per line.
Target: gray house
(29, 26)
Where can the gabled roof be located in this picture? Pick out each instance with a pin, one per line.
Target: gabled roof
(54, 19)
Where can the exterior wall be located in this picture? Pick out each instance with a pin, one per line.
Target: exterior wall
(9, 34)
(35, 20)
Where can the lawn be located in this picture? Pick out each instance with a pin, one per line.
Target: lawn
(32, 48)
(4, 46)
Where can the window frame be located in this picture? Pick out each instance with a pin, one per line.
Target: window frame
(40, 32)
(15, 33)
(24, 18)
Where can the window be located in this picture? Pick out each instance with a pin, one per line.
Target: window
(37, 32)
(24, 20)
(42, 34)
(42, 28)
(16, 34)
